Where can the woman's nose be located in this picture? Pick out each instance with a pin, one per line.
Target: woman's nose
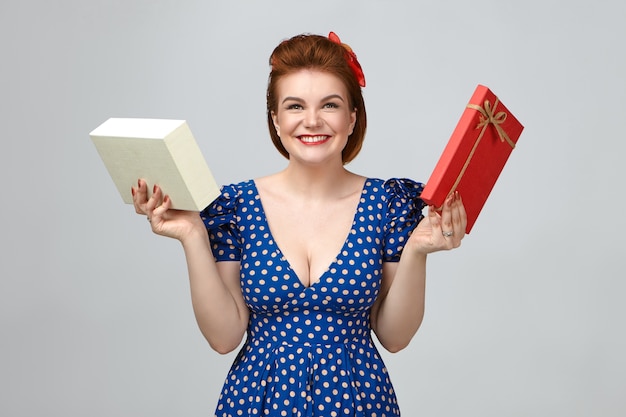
(312, 119)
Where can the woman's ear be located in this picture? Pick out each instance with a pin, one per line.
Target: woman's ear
(275, 121)
(352, 121)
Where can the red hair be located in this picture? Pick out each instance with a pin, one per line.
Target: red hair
(314, 52)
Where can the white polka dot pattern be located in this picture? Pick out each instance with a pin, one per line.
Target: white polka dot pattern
(309, 350)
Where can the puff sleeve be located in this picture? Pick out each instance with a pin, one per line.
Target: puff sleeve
(403, 213)
(220, 219)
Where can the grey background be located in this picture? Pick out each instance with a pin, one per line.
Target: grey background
(525, 319)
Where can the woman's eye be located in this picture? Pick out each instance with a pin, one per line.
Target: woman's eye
(294, 107)
(331, 106)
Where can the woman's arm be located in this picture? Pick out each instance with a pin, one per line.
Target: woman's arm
(399, 309)
(218, 303)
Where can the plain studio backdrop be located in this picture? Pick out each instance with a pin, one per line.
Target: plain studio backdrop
(525, 319)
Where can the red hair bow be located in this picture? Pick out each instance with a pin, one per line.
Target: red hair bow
(351, 57)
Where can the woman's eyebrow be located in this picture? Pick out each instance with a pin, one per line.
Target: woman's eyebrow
(298, 99)
(289, 98)
(332, 96)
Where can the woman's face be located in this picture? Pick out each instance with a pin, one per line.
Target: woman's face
(313, 117)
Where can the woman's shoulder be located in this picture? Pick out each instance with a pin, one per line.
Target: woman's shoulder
(396, 186)
(229, 197)
(236, 190)
(403, 205)
(237, 186)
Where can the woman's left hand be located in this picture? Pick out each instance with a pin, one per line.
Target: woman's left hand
(442, 230)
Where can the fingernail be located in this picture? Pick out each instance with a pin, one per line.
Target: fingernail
(154, 188)
(132, 191)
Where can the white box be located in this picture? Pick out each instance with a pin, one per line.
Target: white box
(160, 151)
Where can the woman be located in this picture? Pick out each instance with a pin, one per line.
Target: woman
(309, 260)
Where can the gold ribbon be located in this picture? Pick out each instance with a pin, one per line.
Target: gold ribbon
(487, 117)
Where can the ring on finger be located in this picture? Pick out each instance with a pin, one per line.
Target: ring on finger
(447, 233)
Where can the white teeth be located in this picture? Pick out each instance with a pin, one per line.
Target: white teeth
(313, 139)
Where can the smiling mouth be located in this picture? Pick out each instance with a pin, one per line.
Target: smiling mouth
(313, 139)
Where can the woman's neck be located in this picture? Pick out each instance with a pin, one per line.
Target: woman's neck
(317, 182)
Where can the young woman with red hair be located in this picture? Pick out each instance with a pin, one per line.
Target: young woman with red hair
(308, 261)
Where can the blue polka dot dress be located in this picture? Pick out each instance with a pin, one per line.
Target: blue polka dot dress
(309, 350)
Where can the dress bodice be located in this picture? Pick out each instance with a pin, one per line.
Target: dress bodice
(309, 349)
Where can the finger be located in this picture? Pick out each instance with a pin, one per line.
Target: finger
(446, 215)
(459, 211)
(140, 196)
(133, 192)
(459, 220)
(162, 208)
(455, 214)
(167, 202)
(434, 218)
(155, 200)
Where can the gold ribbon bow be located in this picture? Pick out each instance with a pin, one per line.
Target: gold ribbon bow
(487, 117)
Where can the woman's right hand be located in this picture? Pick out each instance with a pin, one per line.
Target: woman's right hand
(165, 221)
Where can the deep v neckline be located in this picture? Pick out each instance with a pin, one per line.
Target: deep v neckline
(335, 259)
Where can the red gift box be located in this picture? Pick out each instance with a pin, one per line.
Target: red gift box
(475, 154)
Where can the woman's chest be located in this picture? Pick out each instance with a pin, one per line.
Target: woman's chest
(349, 279)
